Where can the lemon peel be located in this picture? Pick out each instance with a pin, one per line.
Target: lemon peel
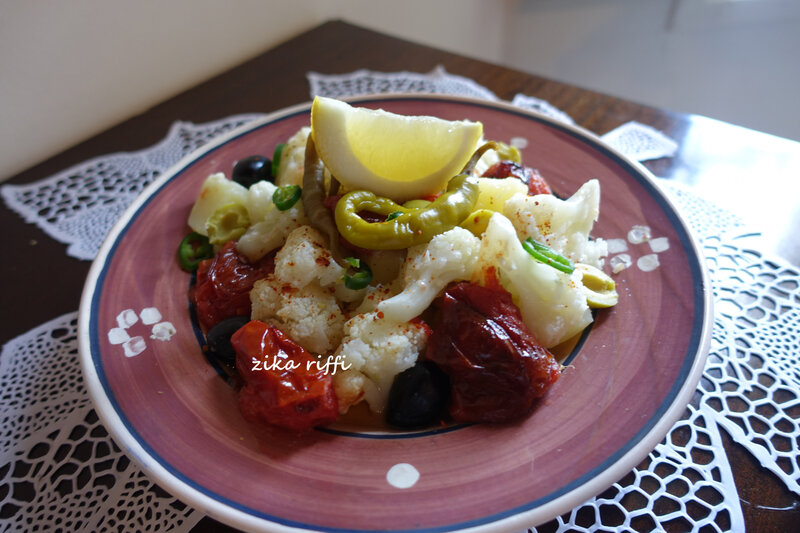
(400, 157)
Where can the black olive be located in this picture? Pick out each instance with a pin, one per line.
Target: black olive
(418, 397)
(218, 339)
(251, 170)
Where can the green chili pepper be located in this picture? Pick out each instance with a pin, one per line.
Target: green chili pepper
(411, 226)
(276, 158)
(285, 197)
(194, 248)
(360, 278)
(313, 197)
(545, 254)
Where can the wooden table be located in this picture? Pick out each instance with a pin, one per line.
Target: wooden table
(39, 272)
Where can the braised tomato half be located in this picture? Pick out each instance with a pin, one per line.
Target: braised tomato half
(496, 367)
(283, 384)
(223, 285)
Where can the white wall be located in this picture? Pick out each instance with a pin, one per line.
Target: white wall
(70, 69)
(734, 60)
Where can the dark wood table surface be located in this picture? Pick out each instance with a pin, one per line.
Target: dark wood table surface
(740, 169)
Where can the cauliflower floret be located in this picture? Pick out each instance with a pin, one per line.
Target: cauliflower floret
(374, 350)
(310, 315)
(290, 169)
(269, 234)
(259, 200)
(375, 294)
(449, 256)
(552, 303)
(563, 225)
(350, 387)
(304, 258)
(301, 297)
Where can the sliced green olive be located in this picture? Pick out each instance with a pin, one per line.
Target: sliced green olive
(600, 289)
(506, 152)
(227, 223)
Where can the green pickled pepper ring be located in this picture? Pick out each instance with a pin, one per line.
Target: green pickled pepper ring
(360, 278)
(411, 226)
(194, 248)
(285, 197)
(545, 254)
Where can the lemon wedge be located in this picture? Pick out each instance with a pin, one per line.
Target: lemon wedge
(397, 156)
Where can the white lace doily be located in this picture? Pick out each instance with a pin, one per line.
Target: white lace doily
(79, 205)
(750, 387)
(60, 470)
(365, 81)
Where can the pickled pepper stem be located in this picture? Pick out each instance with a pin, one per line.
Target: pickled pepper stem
(334, 188)
(276, 158)
(313, 201)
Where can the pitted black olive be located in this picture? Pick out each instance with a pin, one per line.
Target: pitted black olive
(251, 170)
(418, 397)
(218, 339)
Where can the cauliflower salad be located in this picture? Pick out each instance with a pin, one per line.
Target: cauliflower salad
(439, 308)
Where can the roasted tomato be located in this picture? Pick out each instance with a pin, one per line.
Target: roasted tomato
(497, 369)
(283, 384)
(223, 285)
(530, 176)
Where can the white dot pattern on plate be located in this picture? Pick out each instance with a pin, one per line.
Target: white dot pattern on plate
(519, 142)
(648, 263)
(118, 335)
(638, 235)
(616, 246)
(127, 319)
(163, 331)
(660, 244)
(620, 262)
(134, 346)
(402, 476)
(150, 315)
